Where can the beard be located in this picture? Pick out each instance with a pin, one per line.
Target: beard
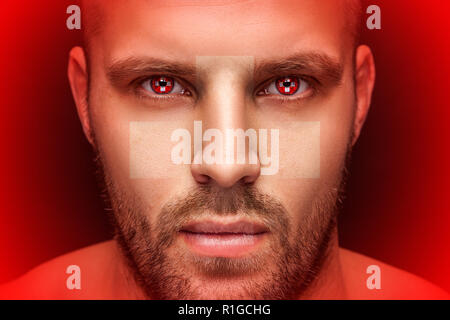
(283, 270)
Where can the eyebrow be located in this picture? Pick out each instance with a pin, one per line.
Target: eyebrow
(134, 67)
(320, 66)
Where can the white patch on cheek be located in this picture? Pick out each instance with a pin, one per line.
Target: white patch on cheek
(151, 150)
(300, 150)
(163, 150)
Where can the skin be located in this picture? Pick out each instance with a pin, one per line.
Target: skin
(221, 99)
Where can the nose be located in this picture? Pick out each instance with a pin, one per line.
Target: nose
(224, 109)
(225, 155)
(225, 176)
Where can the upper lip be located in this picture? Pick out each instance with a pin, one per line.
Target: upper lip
(209, 226)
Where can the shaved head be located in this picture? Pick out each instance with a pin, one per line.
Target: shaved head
(94, 16)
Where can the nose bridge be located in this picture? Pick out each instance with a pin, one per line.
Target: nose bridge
(223, 108)
(224, 90)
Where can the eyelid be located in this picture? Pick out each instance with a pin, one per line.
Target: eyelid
(312, 83)
(138, 84)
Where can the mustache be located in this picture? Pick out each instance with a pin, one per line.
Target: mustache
(210, 201)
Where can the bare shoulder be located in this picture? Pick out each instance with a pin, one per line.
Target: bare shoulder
(394, 283)
(49, 280)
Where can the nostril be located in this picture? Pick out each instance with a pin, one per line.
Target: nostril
(225, 175)
(202, 178)
(248, 179)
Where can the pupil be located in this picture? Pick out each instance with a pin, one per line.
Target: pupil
(163, 83)
(287, 83)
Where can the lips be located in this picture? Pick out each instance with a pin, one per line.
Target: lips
(241, 227)
(221, 239)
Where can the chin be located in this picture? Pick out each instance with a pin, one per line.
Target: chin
(225, 289)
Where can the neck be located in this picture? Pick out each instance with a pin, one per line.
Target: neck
(125, 285)
(329, 284)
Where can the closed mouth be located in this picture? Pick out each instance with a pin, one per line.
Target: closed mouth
(219, 239)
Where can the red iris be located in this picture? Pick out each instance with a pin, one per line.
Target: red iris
(162, 85)
(287, 85)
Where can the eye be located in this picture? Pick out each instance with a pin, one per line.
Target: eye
(162, 85)
(287, 86)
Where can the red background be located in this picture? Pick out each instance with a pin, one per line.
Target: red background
(397, 209)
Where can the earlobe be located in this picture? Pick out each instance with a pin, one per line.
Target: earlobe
(78, 78)
(364, 83)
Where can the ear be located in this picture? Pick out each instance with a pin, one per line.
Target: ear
(364, 82)
(78, 78)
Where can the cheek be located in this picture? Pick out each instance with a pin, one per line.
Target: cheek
(135, 145)
(336, 133)
(312, 152)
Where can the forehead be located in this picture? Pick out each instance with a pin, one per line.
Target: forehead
(185, 29)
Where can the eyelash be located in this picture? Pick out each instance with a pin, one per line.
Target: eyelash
(312, 83)
(138, 88)
(313, 86)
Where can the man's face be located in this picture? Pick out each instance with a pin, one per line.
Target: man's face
(206, 229)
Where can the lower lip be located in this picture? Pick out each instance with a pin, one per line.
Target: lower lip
(222, 245)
